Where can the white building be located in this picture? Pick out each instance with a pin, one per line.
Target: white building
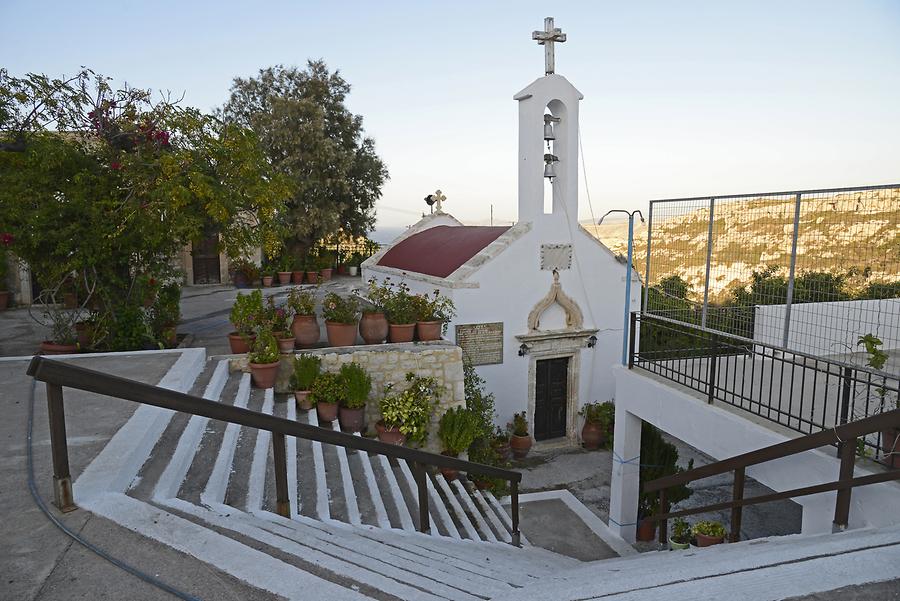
(540, 303)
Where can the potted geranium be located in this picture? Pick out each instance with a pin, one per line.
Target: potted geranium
(305, 327)
(457, 430)
(263, 359)
(433, 312)
(405, 415)
(326, 393)
(520, 442)
(357, 385)
(598, 423)
(708, 532)
(341, 319)
(245, 317)
(373, 327)
(306, 370)
(276, 319)
(400, 309)
(681, 535)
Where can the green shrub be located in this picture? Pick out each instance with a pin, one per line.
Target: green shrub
(658, 458)
(411, 410)
(357, 385)
(478, 401)
(247, 312)
(709, 528)
(681, 531)
(306, 368)
(328, 387)
(434, 307)
(400, 306)
(457, 430)
(377, 295)
(520, 424)
(301, 302)
(340, 309)
(265, 348)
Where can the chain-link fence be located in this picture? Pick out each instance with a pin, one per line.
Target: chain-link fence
(816, 272)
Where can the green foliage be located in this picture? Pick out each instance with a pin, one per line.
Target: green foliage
(311, 138)
(265, 348)
(879, 289)
(458, 429)
(4, 268)
(247, 312)
(520, 424)
(302, 302)
(434, 307)
(129, 329)
(599, 413)
(709, 528)
(378, 296)
(306, 369)
(244, 268)
(681, 531)
(485, 454)
(340, 309)
(877, 357)
(328, 387)
(357, 386)
(674, 286)
(411, 409)
(479, 402)
(399, 304)
(659, 458)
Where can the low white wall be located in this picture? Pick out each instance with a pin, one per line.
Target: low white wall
(722, 434)
(830, 328)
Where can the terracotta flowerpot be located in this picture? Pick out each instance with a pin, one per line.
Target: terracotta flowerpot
(429, 330)
(70, 301)
(325, 274)
(303, 401)
(520, 445)
(297, 277)
(267, 280)
(284, 278)
(352, 420)
(890, 447)
(239, 344)
(305, 329)
(593, 436)
(391, 435)
(342, 269)
(401, 332)
(327, 412)
(4, 300)
(504, 450)
(373, 327)
(646, 530)
(285, 345)
(708, 541)
(312, 277)
(450, 474)
(51, 348)
(340, 334)
(264, 374)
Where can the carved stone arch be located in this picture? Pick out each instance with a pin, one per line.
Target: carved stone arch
(574, 317)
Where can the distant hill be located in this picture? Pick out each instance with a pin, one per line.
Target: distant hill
(856, 233)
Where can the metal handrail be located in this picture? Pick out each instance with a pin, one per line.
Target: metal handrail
(57, 375)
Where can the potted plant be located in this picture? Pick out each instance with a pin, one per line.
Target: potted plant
(500, 443)
(284, 270)
(164, 316)
(520, 442)
(310, 268)
(305, 327)
(353, 264)
(299, 268)
(434, 312)
(263, 359)
(325, 262)
(485, 454)
(267, 279)
(341, 319)
(245, 317)
(708, 532)
(243, 273)
(306, 370)
(646, 527)
(659, 458)
(405, 415)
(399, 307)
(373, 327)
(598, 422)
(326, 393)
(681, 535)
(457, 430)
(357, 385)
(890, 437)
(63, 339)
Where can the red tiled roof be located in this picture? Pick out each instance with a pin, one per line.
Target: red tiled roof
(440, 250)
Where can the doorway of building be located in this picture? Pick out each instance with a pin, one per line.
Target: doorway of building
(551, 398)
(205, 259)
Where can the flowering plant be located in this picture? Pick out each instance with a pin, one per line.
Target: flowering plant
(265, 348)
(247, 311)
(434, 307)
(301, 302)
(411, 410)
(399, 306)
(340, 309)
(328, 387)
(274, 317)
(378, 295)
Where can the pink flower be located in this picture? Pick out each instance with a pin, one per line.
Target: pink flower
(115, 165)
(6, 238)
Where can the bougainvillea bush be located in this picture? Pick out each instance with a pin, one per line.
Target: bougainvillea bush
(102, 187)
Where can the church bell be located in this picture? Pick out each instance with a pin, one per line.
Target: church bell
(549, 120)
(549, 166)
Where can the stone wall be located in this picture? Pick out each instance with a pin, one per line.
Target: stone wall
(389, 363)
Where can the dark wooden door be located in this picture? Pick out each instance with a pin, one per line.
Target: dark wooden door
(205, 258)
(550, 398)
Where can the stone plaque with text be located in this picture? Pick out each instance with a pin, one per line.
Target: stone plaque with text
(482, 343)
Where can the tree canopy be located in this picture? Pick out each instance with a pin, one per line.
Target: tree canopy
(312, 138)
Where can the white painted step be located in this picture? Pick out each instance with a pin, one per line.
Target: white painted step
(217, 483)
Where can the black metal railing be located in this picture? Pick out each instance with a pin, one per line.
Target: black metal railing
(802, 392)
(57, 375)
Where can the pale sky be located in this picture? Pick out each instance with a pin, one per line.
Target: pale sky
(681, 98)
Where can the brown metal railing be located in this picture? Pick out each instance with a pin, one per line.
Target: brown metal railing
(57, 375)
(845, 436)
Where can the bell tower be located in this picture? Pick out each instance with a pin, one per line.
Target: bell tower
(548, 138)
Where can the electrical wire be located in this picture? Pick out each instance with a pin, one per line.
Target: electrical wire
(39, 501)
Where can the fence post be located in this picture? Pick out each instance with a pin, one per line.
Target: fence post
(632, 328)
(712, 366)
(842, 503)
(279, 450)
(737, 493)
(647, 270)
(514, 506)
(422, 488)
(846, 390)
(709, 247)
(663, 524)
(793, 269)
(62, 479)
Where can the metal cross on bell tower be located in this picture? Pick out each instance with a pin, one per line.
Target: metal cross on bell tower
(547, 38)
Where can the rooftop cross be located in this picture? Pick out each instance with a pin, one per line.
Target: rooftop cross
(438, 197)
(546, 39)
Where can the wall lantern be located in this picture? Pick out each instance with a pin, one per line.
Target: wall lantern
(592, 341)
(523, 349)
(549, 167)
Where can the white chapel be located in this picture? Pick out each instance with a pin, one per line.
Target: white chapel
(539, 303)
